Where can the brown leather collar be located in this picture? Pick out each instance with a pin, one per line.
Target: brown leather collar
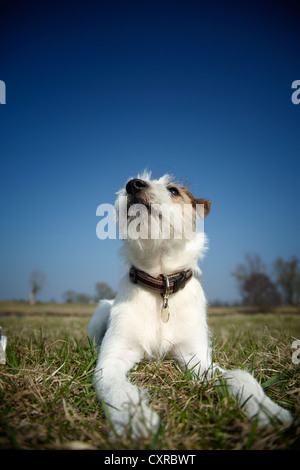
(158, 284)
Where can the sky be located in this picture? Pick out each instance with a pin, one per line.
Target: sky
(97, 91)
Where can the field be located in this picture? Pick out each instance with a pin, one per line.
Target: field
(47, 400)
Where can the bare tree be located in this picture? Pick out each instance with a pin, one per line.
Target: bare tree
(255, 286)
(261, 292)
(37, 280)
(83, 298)
(103, 291)
(288, 279)
(73, 297)
(69, 296)
(252, 265)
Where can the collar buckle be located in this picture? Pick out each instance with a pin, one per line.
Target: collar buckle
(179, 282)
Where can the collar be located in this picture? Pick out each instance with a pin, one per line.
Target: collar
(163, 284)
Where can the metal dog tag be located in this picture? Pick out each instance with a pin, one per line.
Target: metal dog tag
(165, 314)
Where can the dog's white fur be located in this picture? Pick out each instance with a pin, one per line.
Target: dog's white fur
(131, 327)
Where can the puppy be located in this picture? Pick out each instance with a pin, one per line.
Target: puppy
(161, 307)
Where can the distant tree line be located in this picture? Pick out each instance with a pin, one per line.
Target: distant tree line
(256, 286)
(103, 291)
(259, 289)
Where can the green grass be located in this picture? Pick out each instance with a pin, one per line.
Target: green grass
(47, 400)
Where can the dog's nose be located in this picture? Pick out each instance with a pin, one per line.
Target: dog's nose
(135, 185)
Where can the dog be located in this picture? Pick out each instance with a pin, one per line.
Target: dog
(160, 308)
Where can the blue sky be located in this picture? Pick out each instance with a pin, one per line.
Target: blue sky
(98, 91)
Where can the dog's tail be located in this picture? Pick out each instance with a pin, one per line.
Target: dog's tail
(251, 396)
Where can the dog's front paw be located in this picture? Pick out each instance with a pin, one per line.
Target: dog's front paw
(145, 422)
(270, 412)
(136, 421)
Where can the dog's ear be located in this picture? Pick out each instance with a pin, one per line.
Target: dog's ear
(206, 203)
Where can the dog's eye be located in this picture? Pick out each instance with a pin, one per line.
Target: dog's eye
(174, 191)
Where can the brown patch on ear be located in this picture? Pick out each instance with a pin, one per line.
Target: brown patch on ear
(206, 203)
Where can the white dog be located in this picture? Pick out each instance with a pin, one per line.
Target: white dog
(161, 308)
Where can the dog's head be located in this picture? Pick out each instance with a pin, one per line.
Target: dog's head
(158, 217)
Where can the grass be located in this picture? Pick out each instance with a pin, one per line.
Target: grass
(47, 400)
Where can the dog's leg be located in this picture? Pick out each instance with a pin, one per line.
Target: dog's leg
(253, 399)
(240, 384)
(125, 404)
